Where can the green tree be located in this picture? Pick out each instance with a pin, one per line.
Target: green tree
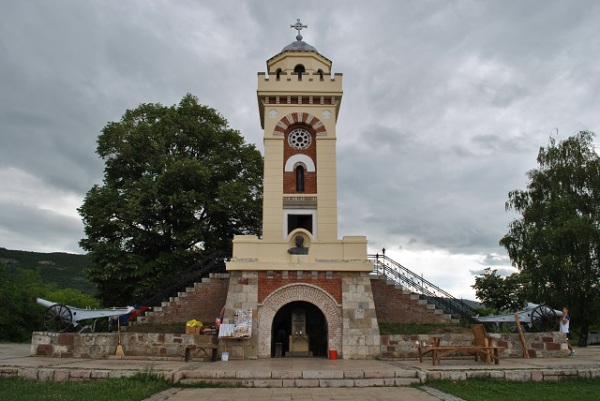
(506, 294)
(19, 314)
(178, 184)
(73, 297)
(556, 242)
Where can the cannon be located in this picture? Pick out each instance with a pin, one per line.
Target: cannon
(59, 318)
(534, 317)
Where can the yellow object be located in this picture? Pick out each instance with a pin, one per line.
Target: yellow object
(192, 330)
(194, 323)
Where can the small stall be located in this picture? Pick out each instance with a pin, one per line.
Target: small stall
(235, 335)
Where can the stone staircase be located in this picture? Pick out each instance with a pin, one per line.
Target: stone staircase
(394, 303)
(203, 302)
(306, 378)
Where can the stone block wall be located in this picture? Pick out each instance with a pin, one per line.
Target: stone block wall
(361, 338)
(539, 345)
(103, 345)
(243, 295)
(394, 306)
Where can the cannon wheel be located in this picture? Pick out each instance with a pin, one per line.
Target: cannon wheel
(543, 318)
(58, 318)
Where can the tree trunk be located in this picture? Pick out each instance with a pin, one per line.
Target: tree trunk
(583, 333)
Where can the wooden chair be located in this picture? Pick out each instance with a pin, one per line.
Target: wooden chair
(481, 339)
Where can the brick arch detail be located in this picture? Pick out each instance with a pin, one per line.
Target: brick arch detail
(299, 292)
(293, 118)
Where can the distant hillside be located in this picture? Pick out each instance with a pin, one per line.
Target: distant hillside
(64, 269)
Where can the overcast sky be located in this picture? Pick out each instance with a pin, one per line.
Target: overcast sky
(445, 106)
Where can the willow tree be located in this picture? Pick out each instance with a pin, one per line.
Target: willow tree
(556, 242)
(178, 184)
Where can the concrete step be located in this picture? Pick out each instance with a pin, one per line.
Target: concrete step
(329, 378)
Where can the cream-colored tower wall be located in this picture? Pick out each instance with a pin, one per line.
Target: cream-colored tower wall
(287, 61)
(273, 221)
(327, 189)
(283, 102)
(273, 182)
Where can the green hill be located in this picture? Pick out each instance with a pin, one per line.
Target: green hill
(66, 270)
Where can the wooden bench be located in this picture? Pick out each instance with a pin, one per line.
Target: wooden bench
(440, 352)
(208, 351)
(482, 347)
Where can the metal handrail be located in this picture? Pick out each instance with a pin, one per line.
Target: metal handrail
(383, 265)
(211, 264)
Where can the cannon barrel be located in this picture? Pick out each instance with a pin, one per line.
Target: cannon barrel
(44, 302)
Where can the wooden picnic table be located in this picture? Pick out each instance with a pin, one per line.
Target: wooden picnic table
(483, 347)
(440, 352)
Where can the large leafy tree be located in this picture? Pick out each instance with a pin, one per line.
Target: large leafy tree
(556, 242)
(500, 294)
(178, 184)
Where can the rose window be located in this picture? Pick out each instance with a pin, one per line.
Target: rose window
(299, 139)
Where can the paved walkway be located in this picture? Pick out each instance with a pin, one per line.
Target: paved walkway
(299, 394)
(15, 357)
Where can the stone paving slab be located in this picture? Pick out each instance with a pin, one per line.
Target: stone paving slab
(299, 394)
(314, 372)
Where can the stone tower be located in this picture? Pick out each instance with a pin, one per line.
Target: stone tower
(309, 291)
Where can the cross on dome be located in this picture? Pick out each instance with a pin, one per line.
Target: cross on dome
(298, 26)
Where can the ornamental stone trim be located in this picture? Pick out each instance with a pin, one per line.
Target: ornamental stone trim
(299, 117)
(298, 292)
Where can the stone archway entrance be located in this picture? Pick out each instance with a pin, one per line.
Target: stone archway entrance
(313, 334)
(301, 294)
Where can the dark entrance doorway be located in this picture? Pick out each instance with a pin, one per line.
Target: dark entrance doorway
(316, 329)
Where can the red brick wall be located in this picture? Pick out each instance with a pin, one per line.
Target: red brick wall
(392, 306)
(204, 304)
(289, 183)
(333, 285)
(310, 179)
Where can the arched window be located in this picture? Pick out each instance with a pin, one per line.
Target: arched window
(300, 178)
(299, 69)
(320, 72)
(278, 73)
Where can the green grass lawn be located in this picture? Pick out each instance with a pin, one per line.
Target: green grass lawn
(139, 388)
(130, 389)
(500, 390)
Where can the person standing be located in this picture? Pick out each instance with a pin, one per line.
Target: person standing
(565, 320)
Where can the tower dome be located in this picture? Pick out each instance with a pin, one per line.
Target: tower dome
(299, 45)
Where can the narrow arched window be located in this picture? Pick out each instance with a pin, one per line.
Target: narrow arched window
(299, 69)
(320, 72)
(300, 179)
(278, 73)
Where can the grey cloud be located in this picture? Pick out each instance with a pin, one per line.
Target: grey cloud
(445, 103)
